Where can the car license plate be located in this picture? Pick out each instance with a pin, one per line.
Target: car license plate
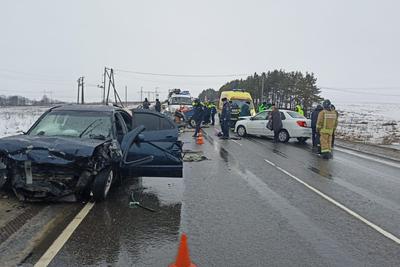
(28, 172)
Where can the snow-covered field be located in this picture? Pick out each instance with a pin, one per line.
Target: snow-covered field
(367, 123)
(16, 119)
(370, 123)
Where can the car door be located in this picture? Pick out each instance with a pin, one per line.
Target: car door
(158, 141)
(268, 132)
(260, 123)
(252, 123)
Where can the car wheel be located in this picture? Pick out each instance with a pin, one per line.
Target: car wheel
(283, 136)
(192, 123)
(241, 131)
(102, 184)
(302, 140)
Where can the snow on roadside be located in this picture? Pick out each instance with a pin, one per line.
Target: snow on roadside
(16, 119)
(369, 123)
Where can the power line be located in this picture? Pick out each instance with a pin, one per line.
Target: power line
(184, 75)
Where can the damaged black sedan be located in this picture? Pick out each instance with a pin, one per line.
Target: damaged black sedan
(74, 151)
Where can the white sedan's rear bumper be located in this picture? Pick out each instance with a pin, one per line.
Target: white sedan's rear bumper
(300, 132)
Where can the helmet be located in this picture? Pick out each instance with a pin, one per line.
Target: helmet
(326, 104)
(319, 107)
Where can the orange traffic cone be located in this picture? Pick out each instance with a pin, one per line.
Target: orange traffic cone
(183, 258)
(199, 139)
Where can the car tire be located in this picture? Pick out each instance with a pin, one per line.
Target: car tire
(102, 184)
(283, 136)
(192, 123)
(241, 131)
(302, 140)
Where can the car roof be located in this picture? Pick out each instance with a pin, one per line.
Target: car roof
(148, 111)
(96, 108)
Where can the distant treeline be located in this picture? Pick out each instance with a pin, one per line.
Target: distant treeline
(16, 100)
(286, 89)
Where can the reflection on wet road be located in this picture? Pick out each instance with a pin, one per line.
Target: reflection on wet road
(238, 210)
(119, 235)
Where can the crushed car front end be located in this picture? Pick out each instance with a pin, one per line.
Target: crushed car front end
(53, 168)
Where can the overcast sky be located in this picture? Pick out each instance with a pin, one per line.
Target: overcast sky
(351, 46)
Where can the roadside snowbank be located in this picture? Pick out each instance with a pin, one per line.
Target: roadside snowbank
(369, 123)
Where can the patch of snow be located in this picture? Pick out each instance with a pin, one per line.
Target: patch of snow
(14, 120)
(369, 123)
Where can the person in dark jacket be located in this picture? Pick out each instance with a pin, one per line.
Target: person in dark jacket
(213, 111)
(245, 109)
(197, 115)
(314, 118)
(276, 122)
(207, 113)
(158, 105)
(146, 104)
(225, 118)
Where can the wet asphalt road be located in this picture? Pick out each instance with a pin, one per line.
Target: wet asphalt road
(239, 210)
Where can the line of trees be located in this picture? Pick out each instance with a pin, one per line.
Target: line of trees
(209, 95)
(285, 89)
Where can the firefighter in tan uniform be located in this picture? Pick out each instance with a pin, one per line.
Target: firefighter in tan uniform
(326, 126)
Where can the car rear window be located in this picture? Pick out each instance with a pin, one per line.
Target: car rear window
(152, 122)
(295, 115)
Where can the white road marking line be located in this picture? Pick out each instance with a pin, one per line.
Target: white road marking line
(52, 251)
(236, 142)
(393, 164)
(339, 205)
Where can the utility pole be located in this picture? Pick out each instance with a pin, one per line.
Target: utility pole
(141, 94)
(156, 93)
(262, 87)
(81, 91)
(109, 76)
(104, 86)
(126, 95)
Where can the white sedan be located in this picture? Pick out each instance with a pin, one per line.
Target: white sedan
(294, 126)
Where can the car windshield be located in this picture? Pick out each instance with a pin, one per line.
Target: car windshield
(295, 115)
(240, 103)
(74, 124)
(180, 100)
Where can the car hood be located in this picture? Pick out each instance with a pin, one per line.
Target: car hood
(43, 148)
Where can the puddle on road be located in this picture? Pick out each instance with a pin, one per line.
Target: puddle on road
(321, 172)
(276, 151)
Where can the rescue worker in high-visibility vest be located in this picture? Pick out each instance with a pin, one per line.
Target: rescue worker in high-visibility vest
(262, 107)
(299, 110)
(326, 126)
